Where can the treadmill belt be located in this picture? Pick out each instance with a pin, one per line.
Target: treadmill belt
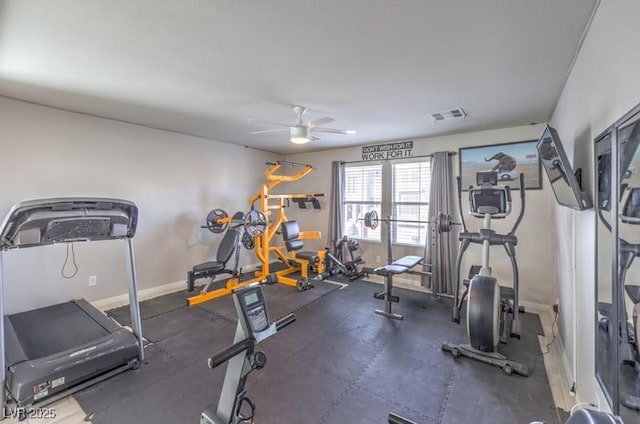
(53, 329)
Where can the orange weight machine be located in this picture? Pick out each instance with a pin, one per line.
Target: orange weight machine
(262, 223)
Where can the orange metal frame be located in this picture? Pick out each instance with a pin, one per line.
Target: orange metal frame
(267, 204)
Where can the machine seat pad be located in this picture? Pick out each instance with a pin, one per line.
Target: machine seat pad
(211, 266)
(310, 256)
(634, 292)
(391, 269)
(408, 261)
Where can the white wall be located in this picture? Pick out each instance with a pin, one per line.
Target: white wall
(536, 248)
(174, 179)
(603, 85)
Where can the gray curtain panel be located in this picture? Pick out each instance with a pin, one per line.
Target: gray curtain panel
(335, 202)
(439, 249)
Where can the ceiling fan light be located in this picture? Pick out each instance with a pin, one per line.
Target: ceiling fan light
(299, 134)
(297, 139)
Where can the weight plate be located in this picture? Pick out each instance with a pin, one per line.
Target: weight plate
(212, 221)
(373, 220)
(255, 223)
(248, 242)
(302, 284)
(444, 222)
(353, 245)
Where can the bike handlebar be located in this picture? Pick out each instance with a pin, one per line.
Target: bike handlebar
(229, 352)
(283, 322)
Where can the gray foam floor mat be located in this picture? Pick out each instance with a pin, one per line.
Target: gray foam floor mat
(338, 363)
(281, 300)
(152, 307)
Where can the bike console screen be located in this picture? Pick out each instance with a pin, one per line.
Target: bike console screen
(253, 308)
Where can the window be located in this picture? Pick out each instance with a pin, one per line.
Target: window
(410, 201)
(362, 193)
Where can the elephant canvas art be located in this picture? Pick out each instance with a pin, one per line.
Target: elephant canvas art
(508, 160)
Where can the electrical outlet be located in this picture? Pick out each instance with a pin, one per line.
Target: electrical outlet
(377, 259)
(93, 280)
(555, 308)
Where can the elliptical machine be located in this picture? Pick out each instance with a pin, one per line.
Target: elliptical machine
(253, 327)
(489, 305)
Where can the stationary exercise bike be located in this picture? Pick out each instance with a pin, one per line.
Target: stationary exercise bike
(489, 305)
(234, 407)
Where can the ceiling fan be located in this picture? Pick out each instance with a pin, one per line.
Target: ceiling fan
(300, 132)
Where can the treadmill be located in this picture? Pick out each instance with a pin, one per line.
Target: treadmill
(51, 352)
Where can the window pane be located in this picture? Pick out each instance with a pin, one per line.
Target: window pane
(411, 232)
(411, 183)
(363, 193)
(363, 183)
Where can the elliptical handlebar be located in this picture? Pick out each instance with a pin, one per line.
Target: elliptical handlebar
(522, 204)
(462, 221)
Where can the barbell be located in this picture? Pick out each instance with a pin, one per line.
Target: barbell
(254, 223)
(443, 221)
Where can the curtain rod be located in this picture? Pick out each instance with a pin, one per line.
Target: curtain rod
(393, 159)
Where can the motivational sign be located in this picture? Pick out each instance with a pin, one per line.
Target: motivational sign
(401, 149)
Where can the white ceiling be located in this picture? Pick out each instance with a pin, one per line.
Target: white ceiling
(379, 67)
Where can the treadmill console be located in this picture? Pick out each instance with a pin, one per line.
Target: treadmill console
(254, 309)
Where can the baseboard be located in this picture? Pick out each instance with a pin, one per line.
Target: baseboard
(145, 294)
(556, 360)
(150, 293)
(565, 361)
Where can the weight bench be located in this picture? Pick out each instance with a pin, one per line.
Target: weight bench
(211, 269)
(401, 266)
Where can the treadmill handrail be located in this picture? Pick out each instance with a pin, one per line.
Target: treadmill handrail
(42, 215)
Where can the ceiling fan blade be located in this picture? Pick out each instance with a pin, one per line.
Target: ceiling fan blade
(314, 138)
(268, 122)
(321, 121)
(269, 131)
(332, 130)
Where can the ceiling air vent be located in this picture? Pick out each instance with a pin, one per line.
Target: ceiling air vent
(448, 115)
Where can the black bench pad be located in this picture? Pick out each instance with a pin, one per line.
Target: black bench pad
(391, 269)
(211, 266)
(400, 266)
(408, 261)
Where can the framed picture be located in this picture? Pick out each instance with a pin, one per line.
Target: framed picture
(509, 160)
